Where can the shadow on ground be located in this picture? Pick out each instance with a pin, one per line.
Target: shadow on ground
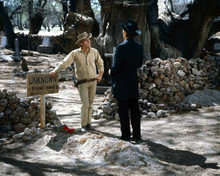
(180, 157)
(40, 169)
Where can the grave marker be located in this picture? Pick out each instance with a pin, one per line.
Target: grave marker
(4, 41)
(46, 41)
(41, 84)
(45, 47)
(17, 50)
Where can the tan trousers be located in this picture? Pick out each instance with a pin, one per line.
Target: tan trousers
(87, 93)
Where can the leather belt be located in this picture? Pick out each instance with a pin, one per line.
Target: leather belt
(85, 80)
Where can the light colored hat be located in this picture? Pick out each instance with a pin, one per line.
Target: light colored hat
(82, 37)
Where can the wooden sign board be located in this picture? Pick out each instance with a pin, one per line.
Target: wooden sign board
(41, 84)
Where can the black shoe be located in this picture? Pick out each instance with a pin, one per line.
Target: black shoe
(136, 140)
(125, 138)
(89, 127)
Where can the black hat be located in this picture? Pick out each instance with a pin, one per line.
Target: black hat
(131, 27)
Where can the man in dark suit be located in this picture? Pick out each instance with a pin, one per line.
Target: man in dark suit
(128, 57)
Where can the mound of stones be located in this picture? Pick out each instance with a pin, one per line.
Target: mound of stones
(18, 114)
(165, 83)
(99, 149)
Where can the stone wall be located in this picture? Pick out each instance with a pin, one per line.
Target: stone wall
(165, 83)
(32, 42)
(17, 114)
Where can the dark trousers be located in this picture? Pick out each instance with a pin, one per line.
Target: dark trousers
(124, 106)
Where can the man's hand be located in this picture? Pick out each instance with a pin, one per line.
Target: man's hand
(99, 78)
(54, 74)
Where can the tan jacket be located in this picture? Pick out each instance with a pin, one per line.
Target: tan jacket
(85, 65)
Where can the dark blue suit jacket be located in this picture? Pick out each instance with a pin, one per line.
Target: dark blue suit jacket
(128, 57)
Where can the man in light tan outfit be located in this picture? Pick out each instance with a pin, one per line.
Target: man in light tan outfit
(85, 60)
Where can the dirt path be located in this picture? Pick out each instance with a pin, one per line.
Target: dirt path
(181, 145)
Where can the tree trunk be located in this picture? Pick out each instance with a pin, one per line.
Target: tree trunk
(20, 22)
(76, 23)
(1, 25)
(202, 15)
(164, 34)
(173, 37)
(112, 14)
(36, 16)
(36, 23)
(8, 28)
(65, 8)
(115, 12)
(84, 7)
(72, 6)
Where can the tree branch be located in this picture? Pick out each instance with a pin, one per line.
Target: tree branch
(44, 3)
(18, 8)
(184, 13)
(215, 28)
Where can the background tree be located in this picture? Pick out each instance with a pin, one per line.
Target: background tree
(164, 33)
(167, 29)
(84, 7)
(173, 36)
(76, 23)
(7, 26)
(65, 7)
(72, 5)
(36, 15)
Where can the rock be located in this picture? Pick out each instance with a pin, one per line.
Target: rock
(117, 116)
(181, 73)
(96, 116)
(4, 102)
(161, 114)
(8, 111)
(197, 72)
(26, 120)
(19, 127)
(2, 114)
(107, 110)
(158, 82)
(5, 128)
(151, 115)
(144, 112)
(177, 64)
(34, 103)
(19, 135)
(152, 85)
(27, 131)
(204, 97)
(6, 58)
(34, 124)
(2, 109)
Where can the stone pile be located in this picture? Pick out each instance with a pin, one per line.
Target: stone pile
(32, 42)
(17, 114)
(165, 83)
(27, 135)
(99, 149)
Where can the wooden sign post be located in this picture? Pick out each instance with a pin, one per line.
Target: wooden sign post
(41, 84)
(42, 111)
